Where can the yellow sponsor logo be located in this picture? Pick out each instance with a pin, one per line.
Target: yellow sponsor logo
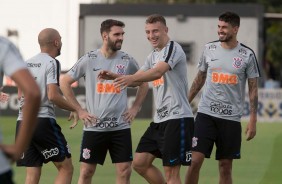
(158, 82)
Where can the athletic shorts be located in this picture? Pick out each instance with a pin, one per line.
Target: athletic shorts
(95, 145)
(225, 134)
(7, 177)
(48, 144)
(169, 140)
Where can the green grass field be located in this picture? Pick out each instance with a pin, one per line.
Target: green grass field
(260, 163)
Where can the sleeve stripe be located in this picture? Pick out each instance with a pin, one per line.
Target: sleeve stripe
(58, 72)
(254, 57)
(169, 51)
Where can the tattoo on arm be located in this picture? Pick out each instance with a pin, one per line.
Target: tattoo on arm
(198, 83)
(253, 95)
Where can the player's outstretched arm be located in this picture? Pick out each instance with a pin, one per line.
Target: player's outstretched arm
(253, 95)
(197, 85)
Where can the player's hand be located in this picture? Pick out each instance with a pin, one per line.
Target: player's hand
(88, 119)
(73, 116)
(106, 75)
(11, 152)
(130, 114)
(250, 131)
(123, 81)
(4, 97)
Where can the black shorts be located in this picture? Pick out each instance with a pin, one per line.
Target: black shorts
(225, 134)
(7, 177)
(48, 144)
(95, 145)
(169, 140)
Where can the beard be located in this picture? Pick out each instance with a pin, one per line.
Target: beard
(114, 45)
(59, 52)
(226, 38)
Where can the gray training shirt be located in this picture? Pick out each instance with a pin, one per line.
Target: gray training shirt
(103, 99)
(10, 62)
(171, 90)
(45, 70)
(227, 70)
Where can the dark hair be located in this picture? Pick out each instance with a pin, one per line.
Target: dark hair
(109, 23)
(155, 18)
(231, 18)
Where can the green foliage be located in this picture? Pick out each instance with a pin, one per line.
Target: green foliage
(274, 43)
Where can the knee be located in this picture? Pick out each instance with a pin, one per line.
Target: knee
(225, 168)
(66, 166)
(139, 167)
(124, 172)
(87, 172)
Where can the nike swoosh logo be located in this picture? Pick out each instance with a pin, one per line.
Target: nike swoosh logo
(96, 69)
(173, 160)
(214, 59)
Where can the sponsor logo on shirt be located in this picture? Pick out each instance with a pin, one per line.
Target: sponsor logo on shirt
(92, 55)
(107, 122)
(86, 153)
(243, 52)
(162, 112)
(224, 78)
(120, 69)
(221, 109)
(237, 62)
(50, 153)
(34, 65)
(125, 58)
(158, 82)
(212, 47)
(107, 88)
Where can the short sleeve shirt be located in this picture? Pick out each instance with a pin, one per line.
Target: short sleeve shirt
(171, 90)
(45, 70)
(103, 99)
(227, 71)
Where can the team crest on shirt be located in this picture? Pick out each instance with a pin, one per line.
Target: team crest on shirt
(212, 47)
(237, 62)
(194, 142)
(120, 69)
(86, 153)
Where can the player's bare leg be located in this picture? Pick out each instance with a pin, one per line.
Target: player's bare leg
(142, 164)
(32, 175)
(65, 171)
(123, 172)
(172, 174)
(225, 171)
(86, 173)
(193, 172)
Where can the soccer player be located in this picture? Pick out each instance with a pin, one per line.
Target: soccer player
(224, 67)
(48, 143)
(12, 65)
(169, 135)
(107, 118)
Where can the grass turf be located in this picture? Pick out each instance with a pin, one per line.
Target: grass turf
(260, 162)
